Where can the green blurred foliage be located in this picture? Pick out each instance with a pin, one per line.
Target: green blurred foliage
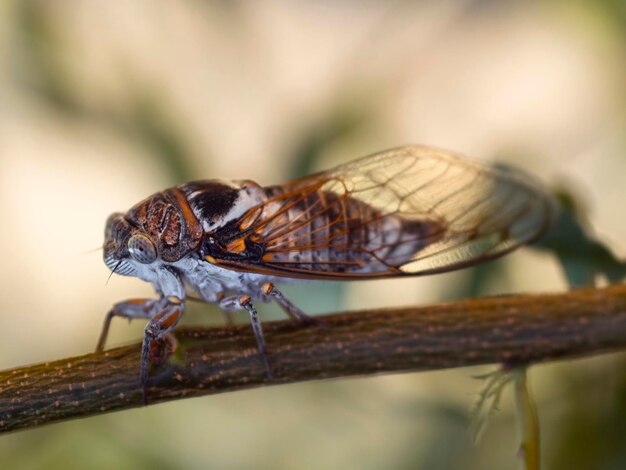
(581, 255)
(340, 123)
(608, 15)
(592, 432)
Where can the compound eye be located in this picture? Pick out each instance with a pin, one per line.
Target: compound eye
(142, 249)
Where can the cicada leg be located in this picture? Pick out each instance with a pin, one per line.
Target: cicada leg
(246, 303)
(157, 335)
(163, 315)
(227, 317)
(133, 308)
(289, 307)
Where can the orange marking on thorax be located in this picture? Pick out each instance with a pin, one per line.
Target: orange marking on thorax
(192, 222)
(237, 245)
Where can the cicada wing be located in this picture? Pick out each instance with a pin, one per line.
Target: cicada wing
(410, 210)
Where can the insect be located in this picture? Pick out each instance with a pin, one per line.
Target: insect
(411, 210)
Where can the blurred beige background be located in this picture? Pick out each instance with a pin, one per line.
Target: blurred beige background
(104, 103)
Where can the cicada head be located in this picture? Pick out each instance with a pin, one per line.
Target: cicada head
(158, 230)
(151, 232)
(126, 246)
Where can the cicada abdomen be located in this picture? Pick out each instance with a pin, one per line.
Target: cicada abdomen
(313, 230)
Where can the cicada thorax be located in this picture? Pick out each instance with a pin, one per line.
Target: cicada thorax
(179, 219)
(320, 230)
(168, 219)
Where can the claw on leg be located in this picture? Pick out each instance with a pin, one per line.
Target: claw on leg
(246, 303)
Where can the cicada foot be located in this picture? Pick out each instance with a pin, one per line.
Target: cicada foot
(289, 307)
(156, 336)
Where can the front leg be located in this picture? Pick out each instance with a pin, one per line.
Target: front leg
(159, 326)
(133, 308)
(164, 314)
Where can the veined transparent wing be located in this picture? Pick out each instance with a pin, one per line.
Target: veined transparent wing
(407, 211)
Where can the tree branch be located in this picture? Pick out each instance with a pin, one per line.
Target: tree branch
(517, 329)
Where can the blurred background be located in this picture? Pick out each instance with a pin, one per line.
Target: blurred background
(104, 103)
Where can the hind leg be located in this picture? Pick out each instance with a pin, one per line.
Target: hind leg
(288, 307)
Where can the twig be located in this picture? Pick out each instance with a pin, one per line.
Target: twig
(514, 330)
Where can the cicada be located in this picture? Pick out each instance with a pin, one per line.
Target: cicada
(408, 211)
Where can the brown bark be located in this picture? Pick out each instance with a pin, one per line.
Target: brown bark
(516, 329)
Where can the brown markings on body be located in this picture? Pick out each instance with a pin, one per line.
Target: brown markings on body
(193, 225)
(172, 230)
